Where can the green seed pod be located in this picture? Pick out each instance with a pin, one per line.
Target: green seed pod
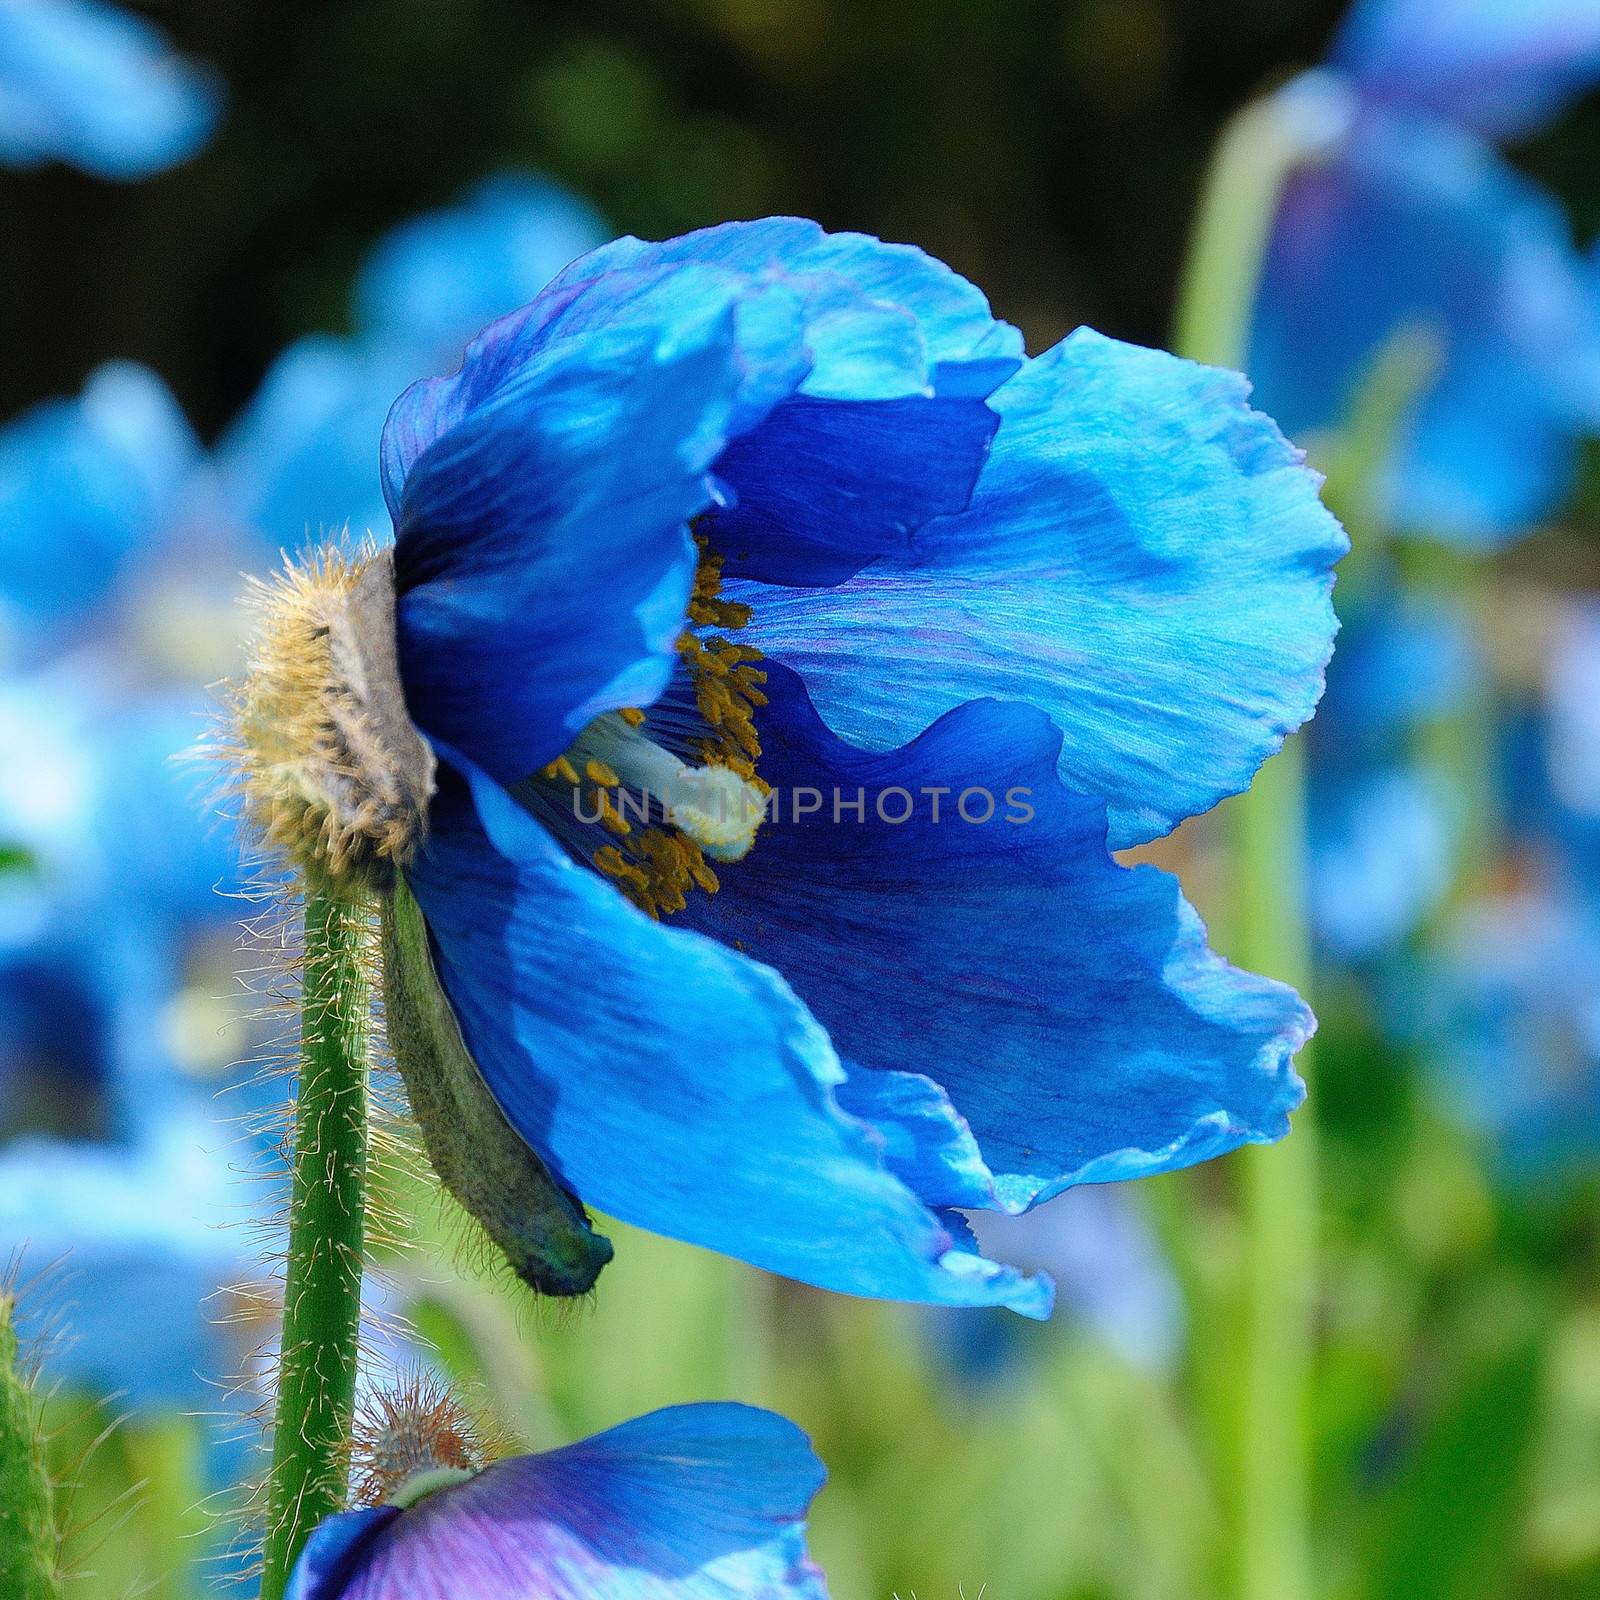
(29, 1569)
(479, 1156)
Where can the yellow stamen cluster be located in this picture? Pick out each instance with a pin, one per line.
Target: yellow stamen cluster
(657, 867)
(727, 684)
(328, 765)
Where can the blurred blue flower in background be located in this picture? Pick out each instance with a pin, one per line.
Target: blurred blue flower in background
(1405, 228)
(820, 406)
(431, 283)
(93, 85)
(300, 461)
(1502, 67)
(1383, 829)
(1507, 1001)
(1508, 1012)
(1112, 1283)
(691, 1503)
(111, 476)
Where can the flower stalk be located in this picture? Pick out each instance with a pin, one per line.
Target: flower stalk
(29, 1569)
(1267, 923)
(322, 1285)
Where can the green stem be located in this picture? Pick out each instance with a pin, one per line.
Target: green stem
(29, 1569)
(1280, 1202)
(1271, 1462)
(1257, 152)
(322, 1286)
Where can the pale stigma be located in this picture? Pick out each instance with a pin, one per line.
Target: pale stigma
(712, 805)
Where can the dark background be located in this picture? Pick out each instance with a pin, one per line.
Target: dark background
(1051, 149)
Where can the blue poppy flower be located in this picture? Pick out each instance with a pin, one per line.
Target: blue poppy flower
(433, 282)
(1507, 1011)
(1383, 832)
(298, 461)
(1499, 66)
(691, 1503)
(916, 531)
(108, 475)
(1402, 225)
(1112, 1283)
(98, 87)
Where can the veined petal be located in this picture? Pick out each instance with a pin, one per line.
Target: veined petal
(664, 1079)
(970, 925)
(98, 87)
(1500, 66)
(888, 430)
(958, 329)
(432, 282)
(1144, 557)
(700, 1502)
(542, 557)
(1418, 231)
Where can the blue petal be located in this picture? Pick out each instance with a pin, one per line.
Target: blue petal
(90, 84)
(542, 497)
(84, 485)
(433, 282)
(823, 487)
(335, 1554)
(1068, 1007)
(1419, 230)
(300, 463)
(957, 328)
(666, 1080)
(1503, 67)
(1144, 557)
(889, 429)
(696, 1502)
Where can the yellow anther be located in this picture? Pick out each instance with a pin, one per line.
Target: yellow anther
(715, 808)
(611, 819)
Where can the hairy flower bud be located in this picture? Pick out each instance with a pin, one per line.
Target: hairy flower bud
(331, 769)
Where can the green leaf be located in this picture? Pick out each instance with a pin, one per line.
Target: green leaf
(1451, 1532)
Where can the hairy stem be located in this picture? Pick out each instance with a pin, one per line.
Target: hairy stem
(322, 1286)
(28, 1544)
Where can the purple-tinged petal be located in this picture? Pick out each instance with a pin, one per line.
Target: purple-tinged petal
(703, 1502)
